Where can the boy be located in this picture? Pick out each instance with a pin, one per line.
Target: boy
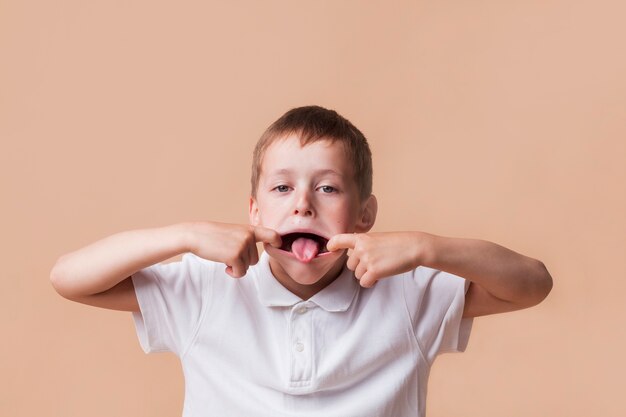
(331, 320)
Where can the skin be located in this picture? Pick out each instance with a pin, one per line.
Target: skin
(310, 187)
(298, 190)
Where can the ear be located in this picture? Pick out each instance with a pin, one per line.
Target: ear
(254, 212)
(368, 215)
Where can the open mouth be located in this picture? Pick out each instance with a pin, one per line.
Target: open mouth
(290, 238)
(304, 246)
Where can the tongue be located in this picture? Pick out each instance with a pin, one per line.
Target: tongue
(304, 249)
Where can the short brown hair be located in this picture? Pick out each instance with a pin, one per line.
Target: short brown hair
(312, 124)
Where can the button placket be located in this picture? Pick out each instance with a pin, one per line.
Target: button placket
(300, 341)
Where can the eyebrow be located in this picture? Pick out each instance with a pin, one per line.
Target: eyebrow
(318, 172)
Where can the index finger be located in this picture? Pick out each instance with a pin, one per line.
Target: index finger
(263, 234)
(341, 241)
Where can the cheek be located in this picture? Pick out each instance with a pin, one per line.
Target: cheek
(345, 216)
(269, 212)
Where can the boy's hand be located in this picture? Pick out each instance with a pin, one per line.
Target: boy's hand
(231, 244)
(378, 255)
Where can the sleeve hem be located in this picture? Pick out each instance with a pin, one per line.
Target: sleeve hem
(464, 333)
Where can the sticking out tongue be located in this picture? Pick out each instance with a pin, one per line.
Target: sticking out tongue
(304, 249)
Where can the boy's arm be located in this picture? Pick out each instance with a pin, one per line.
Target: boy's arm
(501, 280)
(100, 274)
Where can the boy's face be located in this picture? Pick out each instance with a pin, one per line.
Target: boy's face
(310, 190)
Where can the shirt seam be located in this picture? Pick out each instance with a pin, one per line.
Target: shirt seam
(444, 320)
(205, 306)
(147, 311)
(411, 324)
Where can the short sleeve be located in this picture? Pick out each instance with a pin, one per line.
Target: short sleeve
(436, 300)
(172, 298)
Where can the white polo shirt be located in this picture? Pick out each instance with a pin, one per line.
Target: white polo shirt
(249, 347)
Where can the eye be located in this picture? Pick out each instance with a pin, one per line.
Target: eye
(281, 188)
(327, 189)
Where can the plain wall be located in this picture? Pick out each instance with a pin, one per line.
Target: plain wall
(502, 121)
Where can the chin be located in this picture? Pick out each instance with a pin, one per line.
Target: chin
(304, 273)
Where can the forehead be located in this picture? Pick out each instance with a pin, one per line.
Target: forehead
(287, 155)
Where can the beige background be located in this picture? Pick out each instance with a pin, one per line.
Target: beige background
(499, 120)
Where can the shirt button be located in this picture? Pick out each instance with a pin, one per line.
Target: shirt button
(301, 310)
(299, 347)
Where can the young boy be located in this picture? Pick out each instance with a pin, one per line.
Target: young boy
(331, 320)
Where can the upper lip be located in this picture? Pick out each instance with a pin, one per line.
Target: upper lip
(321, 240)
(314, 232)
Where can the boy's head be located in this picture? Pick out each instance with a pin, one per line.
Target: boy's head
(311, 180)
(312, 124)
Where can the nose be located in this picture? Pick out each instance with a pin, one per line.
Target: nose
(303, 205)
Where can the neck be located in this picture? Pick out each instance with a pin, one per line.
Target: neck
(302, 290)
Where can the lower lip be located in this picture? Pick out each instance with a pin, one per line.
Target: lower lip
(319, 255)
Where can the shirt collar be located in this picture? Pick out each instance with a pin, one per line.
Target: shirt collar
(336, 296)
